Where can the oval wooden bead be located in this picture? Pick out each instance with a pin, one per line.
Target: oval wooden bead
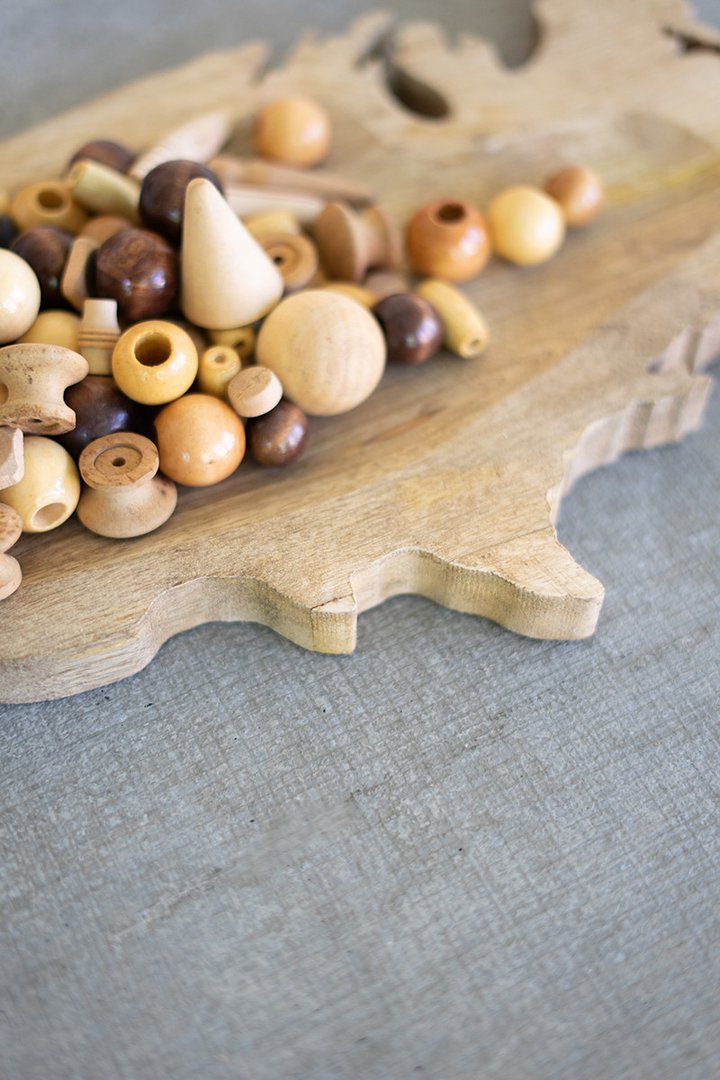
(279, 437)
(54, 328)
(35, 377)
(579, 191)
(295, 256)
(526, 225)
(448, 238)
(140, 271)
(218, 365)
(465, 331)
(19, 296)
(200, 439)
(294, 130)
(154, 362)
(10, 530)
(48, 202)
(50, 488)
(327, 351)
(351, 242)
(254, 391)
(97, 335)
(412, 328)
(46, 250)
(124, 497)
(102, 190)
(107, 152)
(162, 195)
(241, 338)
(100, 409)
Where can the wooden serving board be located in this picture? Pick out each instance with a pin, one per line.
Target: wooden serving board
(446, 482)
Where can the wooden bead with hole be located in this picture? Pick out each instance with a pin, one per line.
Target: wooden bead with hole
(217, 367)
(48, 202)
(279, 437)
(49, 490)
(34, 377)
(200, 439)
(579, 191)
(448, 238)
(254, 391)
(19, 296)
(294, 255)
(350, 242)
(293, 130)
(123, 496)
(154, 362)
(465, 331)
(241, 338)
(10, 530)
(526, 225)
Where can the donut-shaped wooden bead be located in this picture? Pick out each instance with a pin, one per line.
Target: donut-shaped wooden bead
(35, 377)
(49, 490)
(294, 130)
(19, 296)
(200, 439)
(154, 362)
(48, 202)
(527, 226)
(10, 530)
(124, 497)
(448, 238)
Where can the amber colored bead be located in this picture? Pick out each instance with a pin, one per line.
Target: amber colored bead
(8, 230)
(138, 269)
(200, 439)
(526, 225)
(579, 191)
(279, 437)
(294, 130)
(412, 329)
(100, 408)
(54, 328)
(46, 249)
(448, 238)
(154, 362)
(48, 202)
(162, 195)
(107, 152)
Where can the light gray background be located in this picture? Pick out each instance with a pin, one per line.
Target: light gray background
(456, 854)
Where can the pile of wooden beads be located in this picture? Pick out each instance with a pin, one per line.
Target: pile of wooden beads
(162, 313)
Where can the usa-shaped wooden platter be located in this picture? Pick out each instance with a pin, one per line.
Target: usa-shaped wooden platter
(446, 482)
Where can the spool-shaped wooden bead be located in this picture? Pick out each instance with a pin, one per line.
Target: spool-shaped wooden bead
(103, 190)
(10, 530)
(11, 456)
(35, 377)
(54, 328)
(217, 366)
(48, 202)
(19, 296)
(448, 238)
(254, 391)
(295, 256)
(154, 362)
(49, 490)
(465, 331)
(124, 496)
(240, 338)
(97, 335)
(351, 242)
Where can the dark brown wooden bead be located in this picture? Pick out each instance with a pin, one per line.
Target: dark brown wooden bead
(162, 195)
(278, 437)
(8, 230)
(46, 249)
(107, 152)
(101, 408)
(412, 327)
(138, 269)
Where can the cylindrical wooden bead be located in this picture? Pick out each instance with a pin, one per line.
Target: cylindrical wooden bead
(46, 250)
(97, 334)
(103, 190)
(107, 152)
(154, 362)
(50, 488)
(140, 270)
(279, 437)
(48, 202)
(259, 173)
(294, 130)
(241, 338)
(35, 377)
(448, 238)
(358, 293)
(197, 140)
(246, 201)
(10, 530)
(54, 328)
(77, 280)
(102, 228)
(11, 454)
(295, 256)
(101, 408)
(579, 191)
(162, 195)
(124, 497)
(200, 439)
(465, 331)
(527, 226)
(352, 242)
(274, 221)
(254, 391)
(218, 365)
(412, 327)
(19, 296)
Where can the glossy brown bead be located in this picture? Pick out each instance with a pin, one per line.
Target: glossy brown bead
(46, 249)
(162, 195)
(278, 437)
(138, 269)
(107, 152)
(449, 239)
(101, 408)
(412, 328)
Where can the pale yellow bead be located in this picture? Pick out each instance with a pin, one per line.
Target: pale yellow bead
(218, 365)
(19, 296)
(50, 488)
(55, 327)
(527, 226)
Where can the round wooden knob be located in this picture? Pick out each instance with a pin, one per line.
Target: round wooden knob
(10, 529)
(579, 191)
(19, 296)
(49, 490)
(200, 439)
(124, 497)
(294, 130)
(350, 243)
(527, 226)
(448, 238)
(327, 351)
(154, 362)
(254, 391)
(35, 377)
(294, 255)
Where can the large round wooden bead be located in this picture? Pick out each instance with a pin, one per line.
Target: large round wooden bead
(50, 487)
(579, 191)
(279, 437)
(327, 351)
(448, 238)
(162, 195)
(294, 130)
(107, 152)
(19, 296)
(412, 329)
(54, 328)
(100, 408)
(46, 249)
(138, 269)
(526, 225)
(200, 439)
(154, 362)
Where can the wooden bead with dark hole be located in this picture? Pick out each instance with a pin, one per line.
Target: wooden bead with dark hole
(412, 329)
(46, 249)
(101, 408)
(449, 239)
(107, 152)
(162, 195)
(279, 437)
(138, 269)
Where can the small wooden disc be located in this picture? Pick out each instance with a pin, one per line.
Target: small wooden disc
(294, 255)
(254, 391)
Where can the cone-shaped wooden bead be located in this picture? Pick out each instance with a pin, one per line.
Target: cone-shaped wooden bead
(10, 529)
(124, 497)
(227, 279)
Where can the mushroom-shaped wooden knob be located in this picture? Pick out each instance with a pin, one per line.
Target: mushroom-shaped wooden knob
(254, 391)
(19, 296)
(448, 238)
(97, 334)
(351, 242)
(124, 496)
(294, 255)
(35, 377)
(10, 530)
(154, 362)
(49, 490)
(11, 456)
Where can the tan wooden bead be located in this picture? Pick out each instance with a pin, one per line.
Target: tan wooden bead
(200, 439)
(527, 226)
(103, 190)
(235, 170)
(295, 256)
(579, 191)
(294, 130)
(48, 202)
(217, 367)
(74, 281)
(124, 496)
(11, 455)
(154, 362)
(197, 140)
(49, 490)
(240, 338)
(365, 297)
(465, 331)
(19, 296)
(97, 334)
(254, 391)
(10, 530)
(54, 327)
(103, 227)
(273, 221)
(352, 242)
(35, 377)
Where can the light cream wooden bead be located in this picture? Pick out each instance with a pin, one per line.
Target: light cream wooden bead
(227, 279)
(465, 331)
(10, 530)
(527, 226)
(240, 338)
(124, 496)
(19, 296)
(218, 365)
(11, 454)
(48, 202)
(103, 190)
(258, 173)
(35, 377)
(198, 140)
(275, 221)
(74, 283)
(249, 201)
(50, 487)
(98, 331)
(254, 391)
(54, 327)
(327, 351)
